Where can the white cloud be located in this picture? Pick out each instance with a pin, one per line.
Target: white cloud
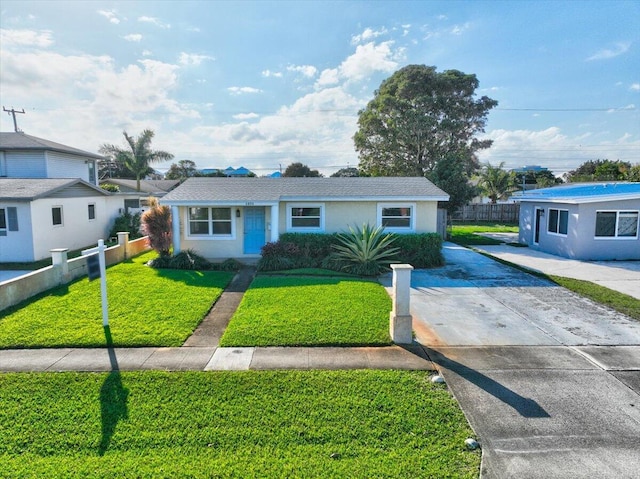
(367, 35)
(460, 29)
(606, 53)
(32, 38)
(552, 148)
(269, 73)
(635, 87)
(154, 21)
(192, 59)
(246, 116)
(110, 15)
(330, 76)
(368, 59)
(147, 53)
(240, 90)
(133, 37)
(308, 71)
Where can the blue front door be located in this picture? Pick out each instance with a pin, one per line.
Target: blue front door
(254, 232)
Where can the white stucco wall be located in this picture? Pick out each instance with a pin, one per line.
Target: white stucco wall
(76, 231)
(17, 246)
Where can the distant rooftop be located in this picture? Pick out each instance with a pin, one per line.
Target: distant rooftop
(583, 193)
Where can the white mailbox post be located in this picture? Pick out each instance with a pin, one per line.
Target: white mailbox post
(400, 323)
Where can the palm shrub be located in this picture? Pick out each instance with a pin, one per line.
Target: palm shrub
(365, 251)
(156, 224)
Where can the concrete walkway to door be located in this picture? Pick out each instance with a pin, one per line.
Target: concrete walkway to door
(549, 381)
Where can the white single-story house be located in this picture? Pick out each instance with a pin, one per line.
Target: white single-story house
(587, 221)
(37, 215)
(27, 156)
(234, 217)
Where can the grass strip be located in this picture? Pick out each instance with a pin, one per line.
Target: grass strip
(465, 234)
(231, 424)
(310, 311)
(147, 307)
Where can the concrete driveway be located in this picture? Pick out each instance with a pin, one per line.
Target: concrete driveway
(549, 381)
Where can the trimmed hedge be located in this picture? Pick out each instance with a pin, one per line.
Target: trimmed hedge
(302, 250)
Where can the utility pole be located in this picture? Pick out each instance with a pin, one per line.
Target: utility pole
(13, 112)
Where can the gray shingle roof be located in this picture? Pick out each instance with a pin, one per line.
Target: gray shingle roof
(146, 186)
(21, 141)
(228, 190)
(27, 189)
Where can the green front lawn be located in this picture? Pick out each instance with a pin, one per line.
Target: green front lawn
(465, 234)
(310, 311)
(231, 424)
(147, 307)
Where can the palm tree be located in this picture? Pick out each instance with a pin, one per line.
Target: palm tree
(495, 181)
(138, 156)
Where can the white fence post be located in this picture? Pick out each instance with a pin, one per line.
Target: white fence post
(60, 262)
(400, 321)
(123, 242)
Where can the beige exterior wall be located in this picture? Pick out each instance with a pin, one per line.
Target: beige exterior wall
(339, 215)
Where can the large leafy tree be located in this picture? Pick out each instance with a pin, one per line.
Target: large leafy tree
(600, 170)
(449, 174)
(183, 169)
(349, 172)
(300, 170)
(420, 117)
(137, 156)
(495, 181)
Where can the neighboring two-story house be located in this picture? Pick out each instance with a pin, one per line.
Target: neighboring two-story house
(49, 198)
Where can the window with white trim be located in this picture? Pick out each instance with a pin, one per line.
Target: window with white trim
(91, 211)
(214, 222)
(56, 215)
(397, 217)
(305, 217)
(616, 224)
(558, 221)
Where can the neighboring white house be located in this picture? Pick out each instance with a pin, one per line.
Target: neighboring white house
(49, 198)
(234, 217)
(37, 215)
(26, 156)
(587, 221)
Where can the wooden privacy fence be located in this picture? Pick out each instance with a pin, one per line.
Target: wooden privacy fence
(502, 212)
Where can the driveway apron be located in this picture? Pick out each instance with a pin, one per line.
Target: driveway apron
(549, 381)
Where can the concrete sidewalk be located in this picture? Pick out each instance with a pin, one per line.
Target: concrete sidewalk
(209, 359)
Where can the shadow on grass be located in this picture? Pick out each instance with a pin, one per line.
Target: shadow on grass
(113, 398)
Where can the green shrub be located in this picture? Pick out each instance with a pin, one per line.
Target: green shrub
(110, 187)
(127, 222)
(227, 265)
(422, 250)
(316, 246)
(365, 251)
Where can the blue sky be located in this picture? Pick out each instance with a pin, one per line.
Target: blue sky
(264, 84)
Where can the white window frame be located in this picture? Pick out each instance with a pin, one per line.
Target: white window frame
(305, 229)
(89, 211)
(210, 221)
(61, 224)
(396, 229)
(618, 213)
(557, 232)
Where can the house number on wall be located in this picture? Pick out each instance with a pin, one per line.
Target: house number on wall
(249, 203)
